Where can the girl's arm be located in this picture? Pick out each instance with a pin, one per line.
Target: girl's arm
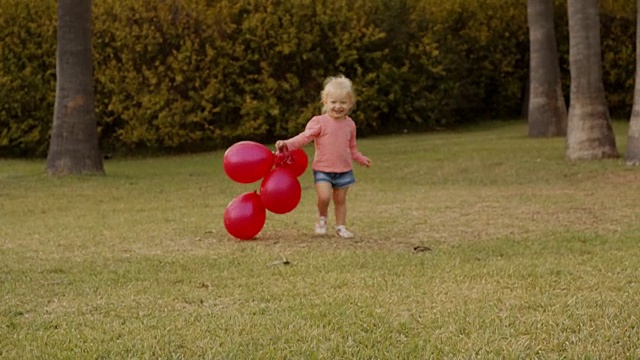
(311, 131)
(355, 154)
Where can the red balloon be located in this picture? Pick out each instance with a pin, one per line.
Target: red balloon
(245, 216)
(294, 160)
(280, 191)
(300, 162)
(247, 161)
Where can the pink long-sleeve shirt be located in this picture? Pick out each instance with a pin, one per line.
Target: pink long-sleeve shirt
(334, 141)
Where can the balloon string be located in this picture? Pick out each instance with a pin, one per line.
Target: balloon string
(283, 158)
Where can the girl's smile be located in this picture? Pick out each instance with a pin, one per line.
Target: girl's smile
(338, 105)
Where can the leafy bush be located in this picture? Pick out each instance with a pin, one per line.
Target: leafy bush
(27, 76)
(202, 74)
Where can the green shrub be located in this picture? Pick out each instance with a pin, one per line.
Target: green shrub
(185, 75)
(619, 59)
(27, 76)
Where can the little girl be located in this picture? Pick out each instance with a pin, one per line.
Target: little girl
(334, 136)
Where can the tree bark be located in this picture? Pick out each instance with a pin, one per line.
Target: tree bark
(589, 132)
(547, 111)
(632, 154)
(74, 135)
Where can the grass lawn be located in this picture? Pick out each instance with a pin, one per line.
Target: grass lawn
(478, 243)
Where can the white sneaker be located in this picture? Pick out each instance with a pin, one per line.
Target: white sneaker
(321, 226)
(343, 232)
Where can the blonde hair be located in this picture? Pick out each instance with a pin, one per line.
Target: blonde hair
(340, 85)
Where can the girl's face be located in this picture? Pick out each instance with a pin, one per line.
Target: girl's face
(338, 105)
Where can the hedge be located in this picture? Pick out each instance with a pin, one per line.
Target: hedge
(184, 75)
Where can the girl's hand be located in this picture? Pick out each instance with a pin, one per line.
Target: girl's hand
(367, 162)
(281, 145)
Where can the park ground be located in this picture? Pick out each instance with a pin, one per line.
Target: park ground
(473, 243)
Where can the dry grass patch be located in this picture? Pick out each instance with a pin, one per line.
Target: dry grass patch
(471, 244)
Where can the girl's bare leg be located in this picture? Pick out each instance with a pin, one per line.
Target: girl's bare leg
(340, 205)
(323, 194)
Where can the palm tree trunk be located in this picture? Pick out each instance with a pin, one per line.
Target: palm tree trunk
(74, 135)
(632, 154)
(589, 132)
(547, 111)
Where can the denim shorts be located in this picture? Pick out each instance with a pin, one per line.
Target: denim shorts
(338, 180)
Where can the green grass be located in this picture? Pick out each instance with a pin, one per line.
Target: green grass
(527, 256)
